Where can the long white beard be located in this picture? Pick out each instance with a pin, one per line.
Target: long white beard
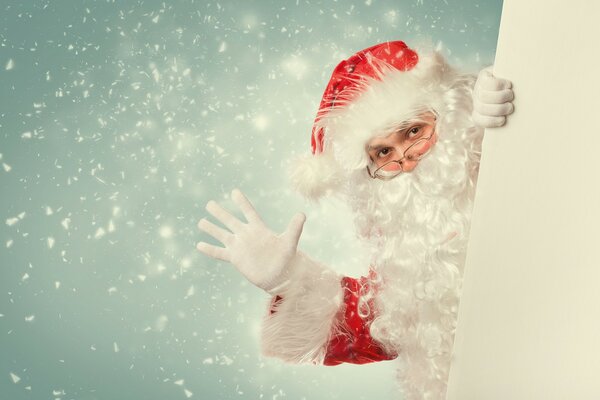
(418, 227)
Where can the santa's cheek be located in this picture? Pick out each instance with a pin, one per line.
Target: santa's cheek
(392, 167)
(429, 145)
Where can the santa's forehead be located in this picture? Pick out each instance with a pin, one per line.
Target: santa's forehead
(388, 130)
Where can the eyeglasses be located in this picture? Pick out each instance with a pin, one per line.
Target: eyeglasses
(415, 152)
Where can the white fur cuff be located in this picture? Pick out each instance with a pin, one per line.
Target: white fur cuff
(297, 328)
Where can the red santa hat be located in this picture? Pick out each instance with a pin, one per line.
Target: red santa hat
(367, 93)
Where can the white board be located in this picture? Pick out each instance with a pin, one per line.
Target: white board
(529, 322)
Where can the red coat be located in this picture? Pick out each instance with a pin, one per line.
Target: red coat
(353, 343)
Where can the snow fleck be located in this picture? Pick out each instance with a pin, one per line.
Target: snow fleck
(185, 263)
(226, 360)
(6, 167)
(49, 210)
(161, 323)
(295, 66)
(179, 382)
(50, 242)
(111, 226)
(26, 135)
(65, 223)
(190, 291)
(207, 361)
(260, 122)
(142, 278)
(29, 318)
(56, 284)
(25, 277)
(112, 290)
(222, 47)
(188, 394)
(10, 64)
(155, 19)
(9, 243)
(155, 74)
(99, 233)
(14, 378)
(391, 16)
(115, 347)
(12, 221)
(166, 232)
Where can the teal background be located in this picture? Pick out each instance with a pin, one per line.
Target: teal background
(118, 122)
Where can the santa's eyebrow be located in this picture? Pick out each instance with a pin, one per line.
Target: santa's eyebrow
(400, 129)
(377, 147)
(408, 124)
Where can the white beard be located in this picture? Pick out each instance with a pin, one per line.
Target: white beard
(417, 225)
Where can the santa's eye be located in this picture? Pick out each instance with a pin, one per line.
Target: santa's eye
(384, 152)
(414, 131)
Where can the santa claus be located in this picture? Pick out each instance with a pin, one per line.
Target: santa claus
(398, 137)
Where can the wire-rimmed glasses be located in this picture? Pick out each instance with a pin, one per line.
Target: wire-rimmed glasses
(415, 152)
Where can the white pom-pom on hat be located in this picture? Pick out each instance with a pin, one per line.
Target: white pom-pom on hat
(314, 176)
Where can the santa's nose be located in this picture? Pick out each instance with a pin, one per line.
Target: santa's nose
(408, 165)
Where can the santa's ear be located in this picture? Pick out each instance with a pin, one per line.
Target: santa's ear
(314, 176)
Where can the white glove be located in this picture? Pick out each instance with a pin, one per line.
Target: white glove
(492, 100)
(262, 256)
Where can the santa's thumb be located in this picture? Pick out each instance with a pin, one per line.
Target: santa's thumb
(294, 228)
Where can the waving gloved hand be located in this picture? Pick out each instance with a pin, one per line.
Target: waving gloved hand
(492, 100)
(261, 255)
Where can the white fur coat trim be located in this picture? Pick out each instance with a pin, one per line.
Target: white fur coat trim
(302, 323)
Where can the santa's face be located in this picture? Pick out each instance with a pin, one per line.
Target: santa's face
(401, 149)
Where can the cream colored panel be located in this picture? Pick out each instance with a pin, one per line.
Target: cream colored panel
(529, 323)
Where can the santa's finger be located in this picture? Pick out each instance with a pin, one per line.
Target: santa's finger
(492, 83)
(494, 110)
(218, 233)
(294, 229)
(484, 74)
(244, 204)
(215, 252)
(223, 215)
(496, 96)
(485, 121)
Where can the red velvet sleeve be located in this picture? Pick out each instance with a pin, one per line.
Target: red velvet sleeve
(353, 343)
